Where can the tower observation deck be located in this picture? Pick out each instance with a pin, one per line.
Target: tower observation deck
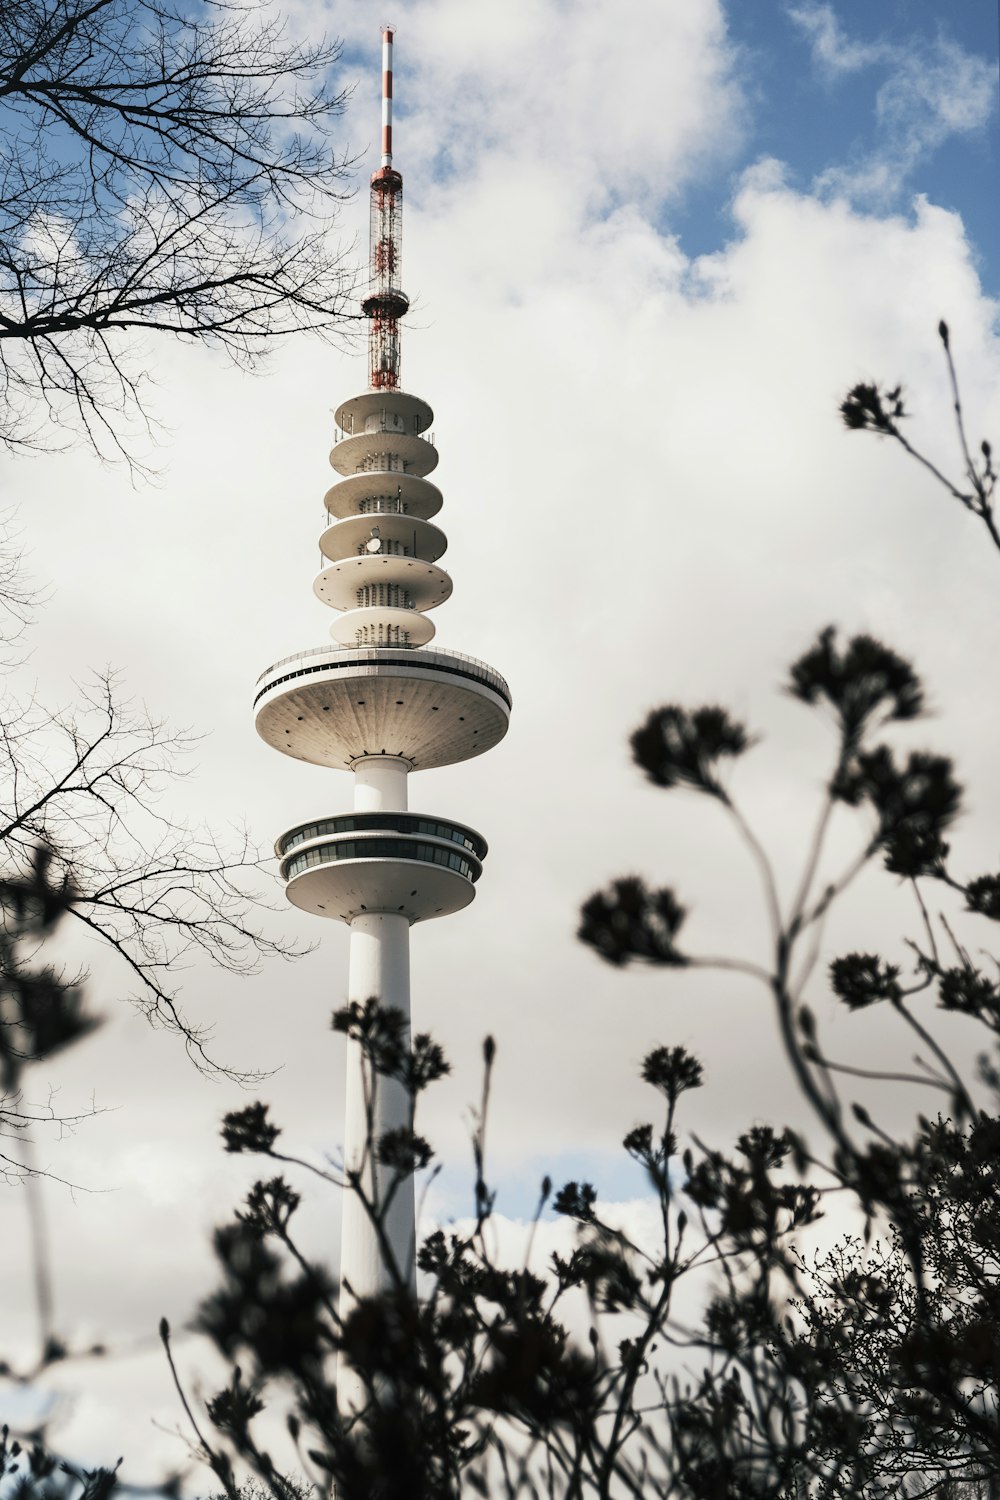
(381, 702)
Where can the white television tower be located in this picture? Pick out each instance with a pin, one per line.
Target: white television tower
(379, 704)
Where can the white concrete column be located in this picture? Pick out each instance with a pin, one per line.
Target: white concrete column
(380, 967)
(380, 785)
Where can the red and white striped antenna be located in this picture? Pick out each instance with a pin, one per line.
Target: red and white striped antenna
(386, 302)
(388, 32)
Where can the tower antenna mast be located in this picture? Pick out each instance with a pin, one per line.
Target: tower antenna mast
(385, 303)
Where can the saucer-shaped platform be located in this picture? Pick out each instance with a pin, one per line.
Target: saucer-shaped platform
(332, 706)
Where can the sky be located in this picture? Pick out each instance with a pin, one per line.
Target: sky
(647, 257)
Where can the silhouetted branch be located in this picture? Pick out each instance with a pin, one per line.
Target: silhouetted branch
(869, 408)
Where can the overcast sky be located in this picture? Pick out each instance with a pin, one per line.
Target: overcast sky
(649, 249)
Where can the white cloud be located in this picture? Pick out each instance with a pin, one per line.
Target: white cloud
(640, 104)
(934, 94)
(833, 51)
(933, 90)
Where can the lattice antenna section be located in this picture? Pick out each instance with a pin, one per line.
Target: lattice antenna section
(385, 303)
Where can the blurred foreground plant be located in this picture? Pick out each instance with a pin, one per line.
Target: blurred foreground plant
(715, 1360)
(869, 407)
(888, 1360)
(41, 1013)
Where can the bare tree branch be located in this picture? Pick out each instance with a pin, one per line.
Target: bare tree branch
(163, 172)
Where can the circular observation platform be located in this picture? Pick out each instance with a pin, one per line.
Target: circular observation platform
(392, 303)
(400, 535)
(399, 408)
(382, 578)
(395, 862)
(331, 707)
(383, 492)
(373, 450)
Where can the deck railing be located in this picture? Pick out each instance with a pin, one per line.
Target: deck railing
(372, 654)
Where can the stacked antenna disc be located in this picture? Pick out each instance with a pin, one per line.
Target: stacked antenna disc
(382, 574)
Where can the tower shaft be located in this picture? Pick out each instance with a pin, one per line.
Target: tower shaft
(379, 966)
(376, 1256)
(373, 1262)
